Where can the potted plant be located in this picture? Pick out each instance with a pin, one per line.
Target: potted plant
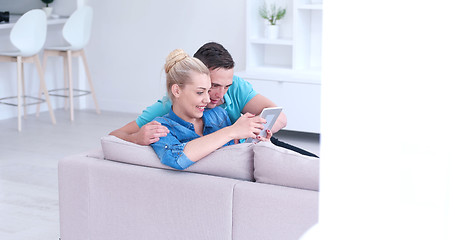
(272, 15)
(47, 9)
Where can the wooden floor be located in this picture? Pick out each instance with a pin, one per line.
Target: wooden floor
(28, 165)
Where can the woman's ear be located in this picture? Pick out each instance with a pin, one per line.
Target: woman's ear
(175, 89)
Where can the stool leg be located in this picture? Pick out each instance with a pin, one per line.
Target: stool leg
(70, 82)
(43, 86)
(19, 92)
(89, 78)
(23, 91)
(40, 93)
(65, 80)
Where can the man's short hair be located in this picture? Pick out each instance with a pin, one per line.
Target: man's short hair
(214, 56)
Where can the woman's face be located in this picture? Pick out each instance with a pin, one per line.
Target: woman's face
(191, 99)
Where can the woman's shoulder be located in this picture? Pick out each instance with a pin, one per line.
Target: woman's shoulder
(165, 120)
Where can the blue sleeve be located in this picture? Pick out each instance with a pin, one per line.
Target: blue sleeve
(222, 117)
(228, 123)
(224, 121)
(159, 109)
(170, 150)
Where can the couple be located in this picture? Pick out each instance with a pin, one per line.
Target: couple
(205, 98)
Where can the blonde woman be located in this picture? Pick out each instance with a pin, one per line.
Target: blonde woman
(194, 131)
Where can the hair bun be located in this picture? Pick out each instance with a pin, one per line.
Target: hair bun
(173, 58)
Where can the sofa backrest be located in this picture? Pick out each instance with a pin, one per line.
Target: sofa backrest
(280, 166)
(235, 161)
(262, 162)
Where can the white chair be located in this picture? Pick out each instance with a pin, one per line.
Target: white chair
(28, 36)
(76, 32)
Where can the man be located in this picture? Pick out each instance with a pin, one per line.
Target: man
(228, 91)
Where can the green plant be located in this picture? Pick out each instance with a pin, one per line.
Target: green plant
(273, 14)
(47, 2)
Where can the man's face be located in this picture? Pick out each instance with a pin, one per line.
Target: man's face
(221, 81)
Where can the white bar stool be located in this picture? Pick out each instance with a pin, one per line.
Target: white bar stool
(76, 32)
(28, 36)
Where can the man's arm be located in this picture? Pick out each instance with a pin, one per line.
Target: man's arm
(150, 131)
(146, 135)
(259, 102)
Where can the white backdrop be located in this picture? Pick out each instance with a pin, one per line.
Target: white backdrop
(387, 130)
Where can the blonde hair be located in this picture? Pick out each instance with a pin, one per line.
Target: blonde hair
(178, 68)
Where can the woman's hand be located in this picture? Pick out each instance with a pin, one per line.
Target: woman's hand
(267, 138)
(247, 126)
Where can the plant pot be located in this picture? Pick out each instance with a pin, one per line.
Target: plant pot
(271, 31)
(48, 11)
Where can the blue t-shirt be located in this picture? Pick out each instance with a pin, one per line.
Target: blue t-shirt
(170, 148)
(235, 99)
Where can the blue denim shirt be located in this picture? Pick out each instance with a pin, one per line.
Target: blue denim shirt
(170, 148)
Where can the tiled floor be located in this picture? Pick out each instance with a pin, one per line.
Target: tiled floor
(28, 166)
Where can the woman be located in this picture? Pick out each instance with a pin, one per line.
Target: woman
(195, 132)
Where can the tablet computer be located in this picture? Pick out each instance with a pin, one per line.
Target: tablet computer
(270, 115)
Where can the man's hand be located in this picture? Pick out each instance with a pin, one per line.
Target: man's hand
(150, 133)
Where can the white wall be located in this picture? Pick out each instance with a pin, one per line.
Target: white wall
(131, 39)
(388, 121)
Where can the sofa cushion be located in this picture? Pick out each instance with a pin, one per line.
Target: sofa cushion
(95, 153)
(235, 161)
(280, 166)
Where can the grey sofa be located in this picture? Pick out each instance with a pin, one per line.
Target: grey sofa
(245, 191)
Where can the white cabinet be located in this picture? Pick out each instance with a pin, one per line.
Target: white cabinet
(301, 102)
(288, 69)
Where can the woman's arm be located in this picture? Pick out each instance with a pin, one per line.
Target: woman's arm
(180, 155)
(246, 126)
(144, 131)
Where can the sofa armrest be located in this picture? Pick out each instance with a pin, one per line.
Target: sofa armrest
(73, 185)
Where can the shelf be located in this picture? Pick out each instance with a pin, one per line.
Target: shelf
(286, 42)
(277, 74)
(299, 47)
(288, 70)
(310, 6)
(14, 17)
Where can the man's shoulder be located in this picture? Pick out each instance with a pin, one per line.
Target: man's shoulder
(236, 80)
